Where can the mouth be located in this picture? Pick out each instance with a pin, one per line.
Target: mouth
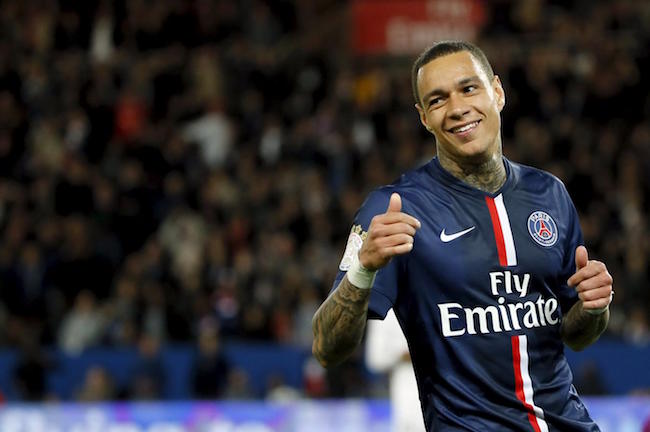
(465, 128)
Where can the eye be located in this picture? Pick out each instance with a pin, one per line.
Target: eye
(435, 101)
(469, 88)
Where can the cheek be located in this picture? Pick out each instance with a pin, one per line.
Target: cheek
(493, 116)
(434, 120)
(438, 116)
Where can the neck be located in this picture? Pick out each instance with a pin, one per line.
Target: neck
(487, 175)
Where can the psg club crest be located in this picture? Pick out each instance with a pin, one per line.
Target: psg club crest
(542, 228)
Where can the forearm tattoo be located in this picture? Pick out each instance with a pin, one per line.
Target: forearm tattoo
(339, 323)
(580, 329)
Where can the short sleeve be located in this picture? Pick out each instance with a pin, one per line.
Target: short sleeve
(384, 290)
(568, 295)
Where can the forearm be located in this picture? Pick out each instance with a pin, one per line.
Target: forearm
(339, 323)
(580, 329)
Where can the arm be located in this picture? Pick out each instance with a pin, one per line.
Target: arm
(580, 329)
(588, 317)
(340, 322)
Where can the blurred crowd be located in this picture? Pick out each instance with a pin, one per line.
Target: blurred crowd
(171, 163)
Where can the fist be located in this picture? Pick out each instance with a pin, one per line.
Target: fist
(389, 234)
(592, 281)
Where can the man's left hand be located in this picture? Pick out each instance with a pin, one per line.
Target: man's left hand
(593, 283)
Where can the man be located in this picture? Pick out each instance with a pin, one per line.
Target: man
(493, 283)
(388, 351)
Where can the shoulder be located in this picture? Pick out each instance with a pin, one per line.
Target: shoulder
(536, 179)
(545, 187)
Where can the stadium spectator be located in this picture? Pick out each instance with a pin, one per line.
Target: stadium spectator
(211, 372)
(83, 325)
(30, 372)
(238, 385)
(278, 391)
(147, 380)
(98, 386)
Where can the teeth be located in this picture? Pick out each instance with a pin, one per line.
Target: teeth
(465, 128)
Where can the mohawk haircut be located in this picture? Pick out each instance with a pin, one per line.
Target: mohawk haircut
(441, 49)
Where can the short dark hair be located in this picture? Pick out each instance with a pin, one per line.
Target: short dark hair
(443, 48)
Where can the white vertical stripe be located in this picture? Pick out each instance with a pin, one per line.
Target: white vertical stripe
(528, 384)
(511, 254)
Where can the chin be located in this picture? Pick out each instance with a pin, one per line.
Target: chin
(475, 151)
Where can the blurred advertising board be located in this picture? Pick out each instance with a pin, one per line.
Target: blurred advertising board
(613, 414)
(304, 416)
(406, 27)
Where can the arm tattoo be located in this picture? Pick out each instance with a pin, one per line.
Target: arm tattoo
(339, 323)
(580, 329)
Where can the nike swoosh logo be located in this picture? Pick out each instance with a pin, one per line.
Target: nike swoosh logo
(449, 237)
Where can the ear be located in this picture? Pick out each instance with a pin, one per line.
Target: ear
(499, 92)
(423, 117)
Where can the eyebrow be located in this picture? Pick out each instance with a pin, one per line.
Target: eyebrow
(462, 82)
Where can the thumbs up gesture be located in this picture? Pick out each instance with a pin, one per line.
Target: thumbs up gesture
(593, 283)
(389, 234)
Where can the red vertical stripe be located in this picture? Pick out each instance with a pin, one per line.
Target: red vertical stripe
(516, 362)
(519, 383)
(498, 233)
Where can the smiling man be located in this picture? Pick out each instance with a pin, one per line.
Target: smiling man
(482, 261)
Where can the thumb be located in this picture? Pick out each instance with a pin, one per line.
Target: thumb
(395, 203)
(581, 257)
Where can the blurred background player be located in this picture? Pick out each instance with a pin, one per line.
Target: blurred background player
(387, 352)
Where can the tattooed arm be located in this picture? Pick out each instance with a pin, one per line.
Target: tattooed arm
(588, 318)
(580, 329)
(339, 323)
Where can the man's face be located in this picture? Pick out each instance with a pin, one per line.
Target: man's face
(460, 106)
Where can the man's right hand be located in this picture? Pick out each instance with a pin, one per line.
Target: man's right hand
(389, 234)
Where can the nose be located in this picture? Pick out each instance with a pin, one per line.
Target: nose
(457, 107)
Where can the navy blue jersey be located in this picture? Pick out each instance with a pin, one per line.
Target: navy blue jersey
(480, 298)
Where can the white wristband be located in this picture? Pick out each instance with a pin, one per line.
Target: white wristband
(360, 276)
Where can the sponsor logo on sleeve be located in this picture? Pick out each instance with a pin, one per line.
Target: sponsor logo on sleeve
(355, 240)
